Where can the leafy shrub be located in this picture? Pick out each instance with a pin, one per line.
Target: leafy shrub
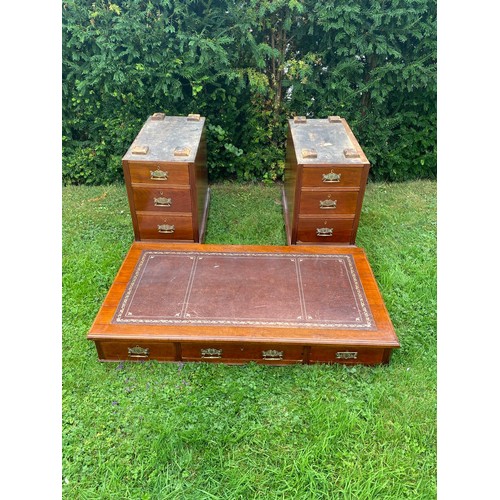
(248, 67)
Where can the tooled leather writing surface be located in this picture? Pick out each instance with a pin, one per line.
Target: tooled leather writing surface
(213, 288)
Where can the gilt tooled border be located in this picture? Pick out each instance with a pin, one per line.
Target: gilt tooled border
(359, 295)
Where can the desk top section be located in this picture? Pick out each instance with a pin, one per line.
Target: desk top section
(192, 292)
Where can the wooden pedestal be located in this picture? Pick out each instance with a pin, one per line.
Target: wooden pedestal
(166, 175)
(324, 183)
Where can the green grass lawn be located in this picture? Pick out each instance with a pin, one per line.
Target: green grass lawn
(208, 431)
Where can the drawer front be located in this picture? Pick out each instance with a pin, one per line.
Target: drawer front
(237, 353)
(163, 226)
(331, 176)
(159, 173)
(162, 200)
(133, 350)
(320, 230)
(328, 202)
(346, 355)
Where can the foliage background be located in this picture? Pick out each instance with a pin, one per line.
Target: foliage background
(248, 67)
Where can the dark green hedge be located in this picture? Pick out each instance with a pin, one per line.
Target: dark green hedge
(247, 66)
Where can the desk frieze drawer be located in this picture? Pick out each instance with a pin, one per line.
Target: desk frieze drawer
(239, 353)
(164, 226)
(349, 355)
(160, 173)
(135, 350)
(328, 202)
(162, 200)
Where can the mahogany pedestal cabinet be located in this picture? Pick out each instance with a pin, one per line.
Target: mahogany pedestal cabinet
(234, 304)
(165, 172)
(324, 182)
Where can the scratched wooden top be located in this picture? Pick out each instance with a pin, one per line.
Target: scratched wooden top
(328, 140)
(160, 138)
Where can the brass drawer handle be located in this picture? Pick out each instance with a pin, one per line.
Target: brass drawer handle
(346, 355)
(166, 228)
(331, 177)
(159, 175)
(211, 353)
(272, 355)
(138, 352)
(324, 231)
(328, 204)
(162, 202)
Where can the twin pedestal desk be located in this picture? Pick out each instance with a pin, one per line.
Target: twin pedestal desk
(177, 299)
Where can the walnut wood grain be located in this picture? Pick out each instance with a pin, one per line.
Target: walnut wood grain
(239, 353)
(121, 350)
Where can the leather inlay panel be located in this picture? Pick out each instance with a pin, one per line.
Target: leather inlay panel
(232, 289)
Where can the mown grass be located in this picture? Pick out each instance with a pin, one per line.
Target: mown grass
(205, 431)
